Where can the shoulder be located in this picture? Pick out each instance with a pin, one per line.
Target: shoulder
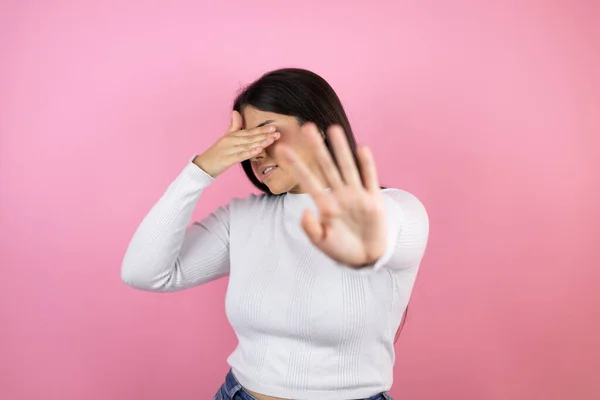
(409, 205)
(402, 197)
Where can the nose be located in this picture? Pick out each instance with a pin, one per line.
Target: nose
(259, 156)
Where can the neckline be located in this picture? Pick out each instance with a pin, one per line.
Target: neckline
(298, 200)
(296, 203)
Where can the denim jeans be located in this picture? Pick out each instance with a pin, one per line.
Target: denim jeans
(233, 390)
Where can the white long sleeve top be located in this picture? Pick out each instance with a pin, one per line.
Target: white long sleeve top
(307, 326)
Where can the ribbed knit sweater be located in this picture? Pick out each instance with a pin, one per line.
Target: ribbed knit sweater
(307, 326)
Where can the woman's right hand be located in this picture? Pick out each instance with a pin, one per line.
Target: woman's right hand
(236, 146)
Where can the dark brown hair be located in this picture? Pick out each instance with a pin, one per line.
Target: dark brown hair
(298, 93)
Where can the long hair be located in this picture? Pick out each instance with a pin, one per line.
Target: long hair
(298, 93)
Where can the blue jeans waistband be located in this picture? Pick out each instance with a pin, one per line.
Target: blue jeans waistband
(231, 387)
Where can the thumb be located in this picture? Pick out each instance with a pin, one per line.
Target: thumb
(236, 122)
(312, 227)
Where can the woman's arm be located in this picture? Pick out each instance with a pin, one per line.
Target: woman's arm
(166, 253)
(358, 225)
(407, 231)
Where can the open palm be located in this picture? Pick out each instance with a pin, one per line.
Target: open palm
(351, 226)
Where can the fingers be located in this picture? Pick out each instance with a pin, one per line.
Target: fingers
(236, 127)
(248, 149)
(251, 142)
(368, 169)
(236, 122)
(307, 179)
(255, 131)
(245, 154)
(328, 167)
(344, 157)
(248, 143)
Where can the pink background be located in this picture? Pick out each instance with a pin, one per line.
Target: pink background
(489, 113)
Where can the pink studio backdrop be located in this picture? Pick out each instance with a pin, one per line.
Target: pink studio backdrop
(489, 113)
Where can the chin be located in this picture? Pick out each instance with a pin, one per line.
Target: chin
(278, 188)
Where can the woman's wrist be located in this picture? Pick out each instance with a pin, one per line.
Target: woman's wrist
(198, 161)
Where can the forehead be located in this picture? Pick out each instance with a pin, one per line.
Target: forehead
(253, 117)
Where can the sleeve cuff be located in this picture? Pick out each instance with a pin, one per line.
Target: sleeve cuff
(394, 220)
(197, 174)
(389, 250)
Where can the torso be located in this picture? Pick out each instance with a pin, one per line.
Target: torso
(259, 396)
(303, 321)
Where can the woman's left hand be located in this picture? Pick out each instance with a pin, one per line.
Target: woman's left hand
(351, 227)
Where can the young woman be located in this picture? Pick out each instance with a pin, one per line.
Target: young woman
(321, 265)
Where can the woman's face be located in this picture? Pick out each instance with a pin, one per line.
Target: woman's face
(266, 166)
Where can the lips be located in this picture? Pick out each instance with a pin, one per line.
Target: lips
(267, 170)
